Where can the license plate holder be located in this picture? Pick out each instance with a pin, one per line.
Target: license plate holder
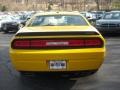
(57, 64)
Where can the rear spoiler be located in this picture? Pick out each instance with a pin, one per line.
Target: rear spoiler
(57, 33)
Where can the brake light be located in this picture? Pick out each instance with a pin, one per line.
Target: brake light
(94, 42)
(57, 43)
(21, 44)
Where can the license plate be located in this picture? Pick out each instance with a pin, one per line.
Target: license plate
(57, 64)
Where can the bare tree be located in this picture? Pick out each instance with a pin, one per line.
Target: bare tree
(98, 4)
(108, 4)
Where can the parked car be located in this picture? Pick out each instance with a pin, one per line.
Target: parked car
(91, 17)
(98, 14)
(110, 23)
(22, 19)
(2, 17)
(9, 24)
(57, 42)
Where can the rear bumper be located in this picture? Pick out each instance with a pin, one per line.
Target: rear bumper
(77, 59)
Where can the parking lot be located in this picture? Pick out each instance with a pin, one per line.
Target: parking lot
(107, 78)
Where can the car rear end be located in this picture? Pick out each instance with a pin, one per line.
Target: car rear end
(65, 42)
(57, 51)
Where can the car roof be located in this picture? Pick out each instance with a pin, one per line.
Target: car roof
(113, 12)
(58, 13)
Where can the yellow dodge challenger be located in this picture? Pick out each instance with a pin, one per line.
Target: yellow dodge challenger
(62, 42)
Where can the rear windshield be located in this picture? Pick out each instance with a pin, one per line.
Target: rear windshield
(58, 20)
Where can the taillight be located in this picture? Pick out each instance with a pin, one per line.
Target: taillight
(57, 43)
(21, 44)
(93, 42)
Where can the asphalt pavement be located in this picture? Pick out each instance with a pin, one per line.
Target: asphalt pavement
(107, 78)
